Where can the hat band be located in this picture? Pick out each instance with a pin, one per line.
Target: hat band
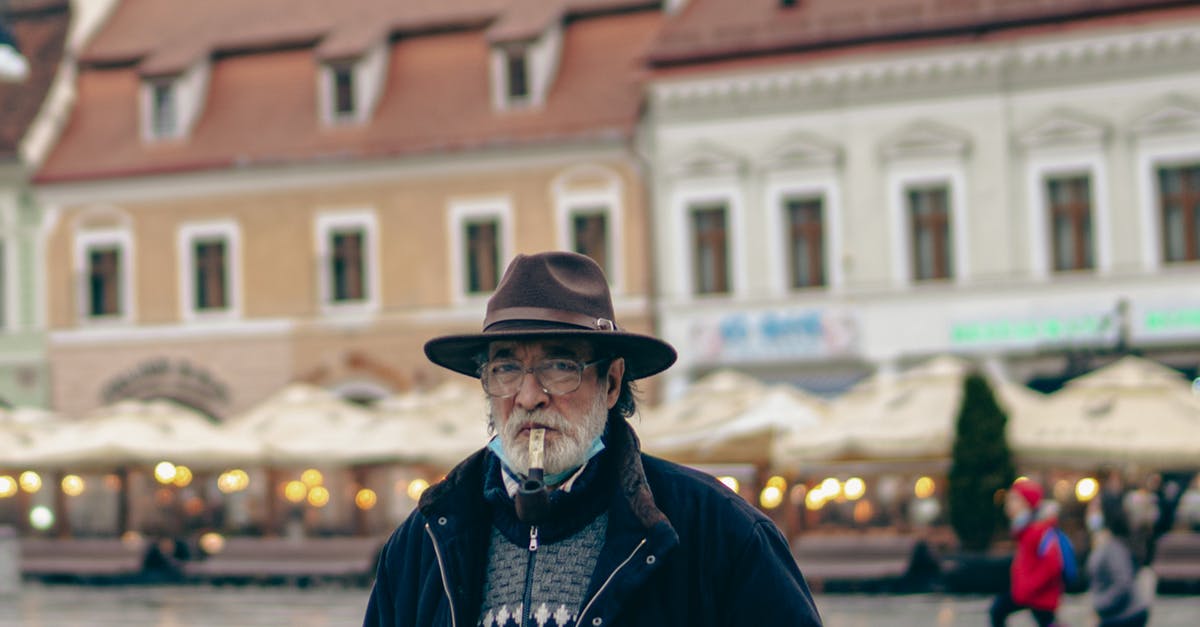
(543, 314)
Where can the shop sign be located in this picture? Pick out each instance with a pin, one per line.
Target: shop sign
(1033, 331)
(774, 334)
(177, 379)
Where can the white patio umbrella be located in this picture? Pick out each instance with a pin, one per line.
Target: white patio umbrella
(439, 427)
(143, 432)
(303, 424)
(907, 416)
(706, 404)
(21, 431)
(1133, 410)
(745, 436)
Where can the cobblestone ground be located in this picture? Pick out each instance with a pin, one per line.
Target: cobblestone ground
(70, 606)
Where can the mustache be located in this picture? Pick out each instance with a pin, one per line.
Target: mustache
(521, 419)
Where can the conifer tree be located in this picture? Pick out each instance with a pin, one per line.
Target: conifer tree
(980, 467)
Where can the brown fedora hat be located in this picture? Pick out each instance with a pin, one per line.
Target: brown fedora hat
(552, 294)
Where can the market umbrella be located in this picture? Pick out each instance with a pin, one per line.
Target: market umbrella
(438, 427)
(743, 435)
(303, 424)
(902, 417)
(143, 432)
(22, 429)
(1131, 411)
(706, 404)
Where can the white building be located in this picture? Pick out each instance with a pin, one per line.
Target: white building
(843, 186)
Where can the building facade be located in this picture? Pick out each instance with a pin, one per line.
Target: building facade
(239, 202)
(843, 187)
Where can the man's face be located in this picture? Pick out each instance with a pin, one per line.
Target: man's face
(1015, 504)
(572, 420)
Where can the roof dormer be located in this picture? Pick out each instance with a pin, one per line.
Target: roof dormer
(172, 99)
(351, 75)
(526, 46)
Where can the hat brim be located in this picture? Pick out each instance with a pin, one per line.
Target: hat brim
(644, 355)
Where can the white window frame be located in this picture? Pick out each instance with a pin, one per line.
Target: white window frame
(85, 241)
(542, 56)
(682, 202)
(368, 74)
(228, 231)
(571, 202)
(461, 211)
(900, 179)
(326, 223)
(1044, 165)
(188, 94)
(824, 186)
(1151, 155)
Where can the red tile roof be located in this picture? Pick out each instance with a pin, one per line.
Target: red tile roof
(713, 30)
(40, 28)
(261, 106)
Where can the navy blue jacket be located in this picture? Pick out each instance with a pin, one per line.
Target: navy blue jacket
(680, 549)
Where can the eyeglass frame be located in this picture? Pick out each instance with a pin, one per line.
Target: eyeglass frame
(527, 370)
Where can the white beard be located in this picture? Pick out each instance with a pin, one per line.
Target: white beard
(566, 451)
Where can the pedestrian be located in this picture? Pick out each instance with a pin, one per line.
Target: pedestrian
(1036, 575)
(1112, 567)
(561, 520)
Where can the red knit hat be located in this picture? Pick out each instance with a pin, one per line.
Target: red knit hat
(1030, 490)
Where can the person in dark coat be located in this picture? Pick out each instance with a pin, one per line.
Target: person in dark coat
(616, 537)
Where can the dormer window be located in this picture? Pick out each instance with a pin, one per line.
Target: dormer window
(350, 80)
(172, 100)
(517, 64)
(164, 121)
(343, 91)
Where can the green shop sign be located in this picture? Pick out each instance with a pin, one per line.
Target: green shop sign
(1172, 321)
(1029, 331)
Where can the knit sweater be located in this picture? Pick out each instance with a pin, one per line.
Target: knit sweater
(538, 575)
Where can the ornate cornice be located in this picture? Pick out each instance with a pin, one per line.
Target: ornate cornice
(986, 67)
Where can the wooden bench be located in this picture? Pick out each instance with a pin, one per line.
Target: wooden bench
(283, 559)
(81, 558)
(866, 559)
(1177, 560)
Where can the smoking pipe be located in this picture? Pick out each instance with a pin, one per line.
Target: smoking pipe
(533, 496)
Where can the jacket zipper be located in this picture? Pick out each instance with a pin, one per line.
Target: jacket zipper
(616, 570)
(527, 608)
(442, 568)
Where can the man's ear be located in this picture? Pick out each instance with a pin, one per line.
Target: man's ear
(616, 372)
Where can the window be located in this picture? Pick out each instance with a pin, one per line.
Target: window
(805, 237)
(209, 270)
(1179, 194)
(1070, 208)
(518, 75)
(103, 281)
(589, 236)
(163, 122)
(710, 259)
(483, 255)
(212, 279)
(929, 224)
(347, 246)
(343, 91)
(347, 266)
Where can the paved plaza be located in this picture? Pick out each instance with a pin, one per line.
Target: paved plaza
(197, 606)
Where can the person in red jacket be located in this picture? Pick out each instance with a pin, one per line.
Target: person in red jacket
(1035, 581)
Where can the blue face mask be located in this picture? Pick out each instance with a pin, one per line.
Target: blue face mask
(1020, 521)
(498, 450)
(1095, 522)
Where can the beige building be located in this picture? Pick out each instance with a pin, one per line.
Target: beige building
(239, 202)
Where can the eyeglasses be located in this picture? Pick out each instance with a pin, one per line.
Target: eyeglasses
(502, 378)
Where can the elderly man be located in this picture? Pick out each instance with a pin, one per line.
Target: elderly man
(561, 520)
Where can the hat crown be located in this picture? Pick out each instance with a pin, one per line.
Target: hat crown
(554, 287)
